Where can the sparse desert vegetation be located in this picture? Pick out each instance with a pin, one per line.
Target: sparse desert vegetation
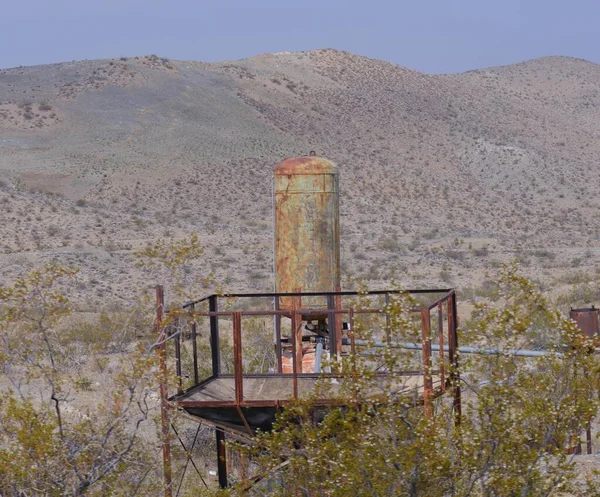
(460, 172)
(443, 177)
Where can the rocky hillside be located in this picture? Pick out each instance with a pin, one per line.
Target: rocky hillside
(443, 176)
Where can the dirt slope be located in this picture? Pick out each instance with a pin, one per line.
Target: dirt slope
(443, 176)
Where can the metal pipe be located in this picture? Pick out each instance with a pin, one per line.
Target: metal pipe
(318, 353)
(462, 350)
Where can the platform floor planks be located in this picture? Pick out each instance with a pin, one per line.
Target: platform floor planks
(280, 387)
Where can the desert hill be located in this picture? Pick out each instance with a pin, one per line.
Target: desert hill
(443, 176)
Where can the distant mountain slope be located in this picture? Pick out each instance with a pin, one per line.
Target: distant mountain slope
(442, 176)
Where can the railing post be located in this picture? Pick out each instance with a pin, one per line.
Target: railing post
(351, 332)
(194, 343)
(221, 458)
(337, 319)
(214, 336)
(332, 326)
(237, 357)
(296, 343)
(427, 370)
(388, 324)
(278, 351)
(178, 355)
(164, 403)
(453, 355)
(353, 352)
(441, 344)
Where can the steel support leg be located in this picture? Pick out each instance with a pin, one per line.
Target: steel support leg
(221, 458)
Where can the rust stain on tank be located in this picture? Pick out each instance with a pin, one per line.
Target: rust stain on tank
(307, 240)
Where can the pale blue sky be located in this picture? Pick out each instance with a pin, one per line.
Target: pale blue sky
(428, 35)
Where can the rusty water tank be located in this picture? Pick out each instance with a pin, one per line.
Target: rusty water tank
(307, 231)
(587, 320)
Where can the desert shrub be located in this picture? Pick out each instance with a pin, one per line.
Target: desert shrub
(581, 294)
(487, 289)
(457, 255)
(107, 332)
(519, 416)
(49, 444)
(390, 243)
(481, 251)
(544, 254)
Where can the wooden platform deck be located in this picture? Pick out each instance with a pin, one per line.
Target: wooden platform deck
(280, 388)
(215, 400)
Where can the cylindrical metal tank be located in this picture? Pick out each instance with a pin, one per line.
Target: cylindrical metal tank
(307, 231)
(587, 320)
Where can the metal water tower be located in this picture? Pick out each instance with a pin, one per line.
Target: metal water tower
(309, 318)
(307, 230)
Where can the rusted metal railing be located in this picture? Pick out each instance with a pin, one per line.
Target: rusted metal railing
(202, 319)
(434, 360)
